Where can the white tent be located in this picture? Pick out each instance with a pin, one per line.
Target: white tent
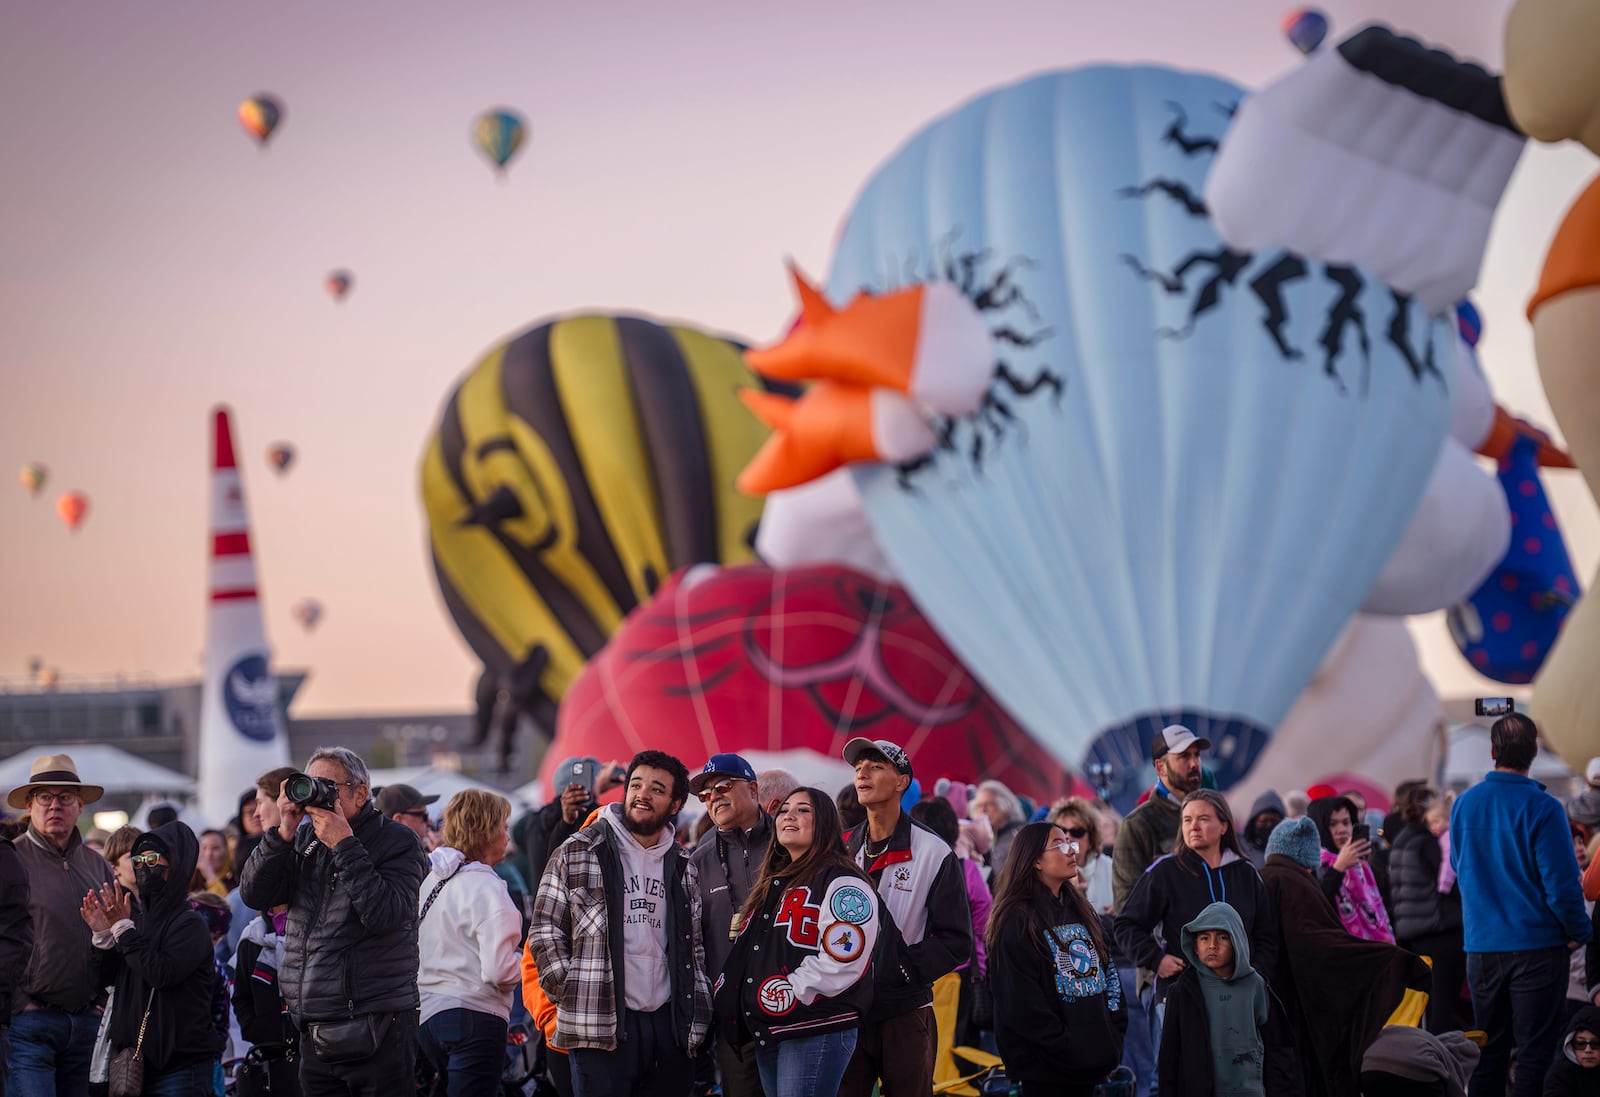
(1468, 760)
(114, 770)
(441, 782)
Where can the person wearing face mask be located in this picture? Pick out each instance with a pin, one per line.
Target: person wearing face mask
(258, 1004)
(728, 861)
(165, 973)
(799, 977)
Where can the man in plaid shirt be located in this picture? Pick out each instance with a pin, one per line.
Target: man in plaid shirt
(616, 937)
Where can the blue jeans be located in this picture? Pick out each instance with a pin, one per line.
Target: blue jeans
(193, 1080)
(49, 1052)
(808, 1066)
(1517, 1000)
(467, 1049)
(1138, 1047)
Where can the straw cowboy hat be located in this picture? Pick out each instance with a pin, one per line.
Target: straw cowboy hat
(51, 771)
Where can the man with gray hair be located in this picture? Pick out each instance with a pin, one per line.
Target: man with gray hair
(350, 878)
(773, 787)
(995, 802)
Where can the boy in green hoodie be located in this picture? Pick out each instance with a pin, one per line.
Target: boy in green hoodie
(1220, 1037)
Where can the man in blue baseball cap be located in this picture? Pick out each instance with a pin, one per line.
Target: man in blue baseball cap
(729, 860)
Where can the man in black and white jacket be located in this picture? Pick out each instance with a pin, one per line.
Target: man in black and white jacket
(927, 927)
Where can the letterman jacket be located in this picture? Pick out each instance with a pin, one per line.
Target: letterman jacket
(927, 926)
(802, 967)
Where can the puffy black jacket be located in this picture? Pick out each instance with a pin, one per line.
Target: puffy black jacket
(729, 864)
(351, 939)
(16, 923)
(169, 951)
(1416, 907)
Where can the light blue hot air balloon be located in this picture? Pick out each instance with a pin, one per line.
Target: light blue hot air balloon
(1193, 461)
(498, 135)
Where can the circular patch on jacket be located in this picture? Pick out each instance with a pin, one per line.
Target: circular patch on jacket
(1081, 956)
(776, 996)
(845, 942)
(851, 904)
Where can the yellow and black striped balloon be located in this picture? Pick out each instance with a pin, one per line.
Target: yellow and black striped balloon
(574, 468)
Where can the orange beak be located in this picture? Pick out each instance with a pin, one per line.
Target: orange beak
(871, 342)
(830, 425)
(1508, 428)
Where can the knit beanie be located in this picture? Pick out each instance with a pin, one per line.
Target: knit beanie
(1297, 839)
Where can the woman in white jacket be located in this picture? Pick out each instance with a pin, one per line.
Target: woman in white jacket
(469, 935)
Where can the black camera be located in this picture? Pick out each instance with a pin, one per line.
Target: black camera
(311, 792)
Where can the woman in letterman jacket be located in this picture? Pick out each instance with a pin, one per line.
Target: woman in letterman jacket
(1206, 866)
(799, 977)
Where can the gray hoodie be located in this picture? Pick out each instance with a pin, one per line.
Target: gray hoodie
(1236, 1008)
(1267, 801)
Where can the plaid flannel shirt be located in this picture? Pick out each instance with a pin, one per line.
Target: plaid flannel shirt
(571, 939)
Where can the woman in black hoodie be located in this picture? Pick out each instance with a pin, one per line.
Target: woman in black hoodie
(1206, 867)
(1058, 1010)
(165, 966)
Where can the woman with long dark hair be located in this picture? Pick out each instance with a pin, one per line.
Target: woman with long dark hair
(799, 978)
(1058, 1009)
(1346, 877)
(1206, 866)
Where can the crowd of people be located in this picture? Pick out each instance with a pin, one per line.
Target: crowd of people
(800, 941)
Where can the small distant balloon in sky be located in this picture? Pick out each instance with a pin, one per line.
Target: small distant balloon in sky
(339, 283)
(71, 508)
(308, 611)
(1305, 28)
(280, 455)
(33, 476)
(498, 135)
(260, 115)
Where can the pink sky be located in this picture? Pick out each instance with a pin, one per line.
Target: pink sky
(154, 262)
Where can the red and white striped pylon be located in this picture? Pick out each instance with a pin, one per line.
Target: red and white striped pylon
(241, 729)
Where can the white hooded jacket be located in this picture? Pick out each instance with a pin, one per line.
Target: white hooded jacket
(469, 939)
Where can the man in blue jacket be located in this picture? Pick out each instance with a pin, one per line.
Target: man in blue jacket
(1523, 907)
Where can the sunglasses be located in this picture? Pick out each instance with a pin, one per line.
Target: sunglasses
(1076, 832)
(419, 813)
(1586, 1045)
(719, 789)
(149, 857)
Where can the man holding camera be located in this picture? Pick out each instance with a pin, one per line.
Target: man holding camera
(350, 878)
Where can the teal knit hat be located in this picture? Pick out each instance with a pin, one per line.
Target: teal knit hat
(1298, 840)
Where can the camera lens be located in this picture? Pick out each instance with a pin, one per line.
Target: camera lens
(300, 788)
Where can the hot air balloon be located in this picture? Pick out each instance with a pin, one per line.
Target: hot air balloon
(338, 284)
(498, 135)
(1305, 28)
(793, 662)
(280, 455)
(260, 115)
(575, 467)
(71, 507)
(308, 611)
(1565, 312)
(1190, 463)
(33, 476)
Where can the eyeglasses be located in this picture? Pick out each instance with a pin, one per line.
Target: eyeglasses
(149, 857)
(418, 813)
(51, 799)
(1585, 1045)
(1064, 846)
(719, 789)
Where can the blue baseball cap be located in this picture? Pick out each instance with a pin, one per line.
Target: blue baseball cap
(722, 765)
